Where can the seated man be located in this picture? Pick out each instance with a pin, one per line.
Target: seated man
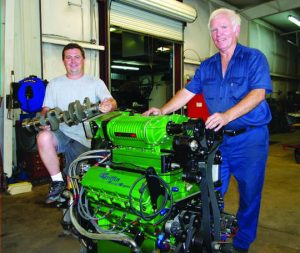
(61, 91)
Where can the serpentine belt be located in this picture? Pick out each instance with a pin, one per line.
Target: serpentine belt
(209, 202)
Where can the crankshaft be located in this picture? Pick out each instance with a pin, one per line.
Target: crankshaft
(75, 114)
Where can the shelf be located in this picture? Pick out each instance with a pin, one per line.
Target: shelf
(59, 41)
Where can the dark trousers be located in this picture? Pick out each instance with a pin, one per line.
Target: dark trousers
(244, 156)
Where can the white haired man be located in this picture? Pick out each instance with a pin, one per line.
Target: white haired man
(234, 83)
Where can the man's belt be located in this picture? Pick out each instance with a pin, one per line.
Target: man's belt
(235, 132)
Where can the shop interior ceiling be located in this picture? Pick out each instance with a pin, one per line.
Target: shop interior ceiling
(273, 12)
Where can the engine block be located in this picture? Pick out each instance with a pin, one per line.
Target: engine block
(151, 186)
(148, 184)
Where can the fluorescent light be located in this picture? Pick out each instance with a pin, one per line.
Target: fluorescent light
(291, 42)
(134, 63)
(124, 67)
(294, 20)
(163, 49)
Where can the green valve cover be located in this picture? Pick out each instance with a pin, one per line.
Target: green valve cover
(123, 190)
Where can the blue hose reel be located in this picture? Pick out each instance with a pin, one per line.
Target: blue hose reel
(31, 93)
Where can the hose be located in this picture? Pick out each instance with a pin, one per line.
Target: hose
(101, 236)
(140, 213)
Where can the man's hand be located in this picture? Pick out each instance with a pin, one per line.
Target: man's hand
(152, 111)
(252, 99)
(107, 105)
(216, 121)
(43, 113)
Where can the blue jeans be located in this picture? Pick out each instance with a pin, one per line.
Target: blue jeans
(69, 147)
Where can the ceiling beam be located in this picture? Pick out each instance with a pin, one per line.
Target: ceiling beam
(269, 8)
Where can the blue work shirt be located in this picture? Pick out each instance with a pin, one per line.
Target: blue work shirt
(247, 70)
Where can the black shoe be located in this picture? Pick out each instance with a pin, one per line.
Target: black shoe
(229, 248)
(56, 188)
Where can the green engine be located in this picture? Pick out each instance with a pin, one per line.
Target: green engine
(149, 186)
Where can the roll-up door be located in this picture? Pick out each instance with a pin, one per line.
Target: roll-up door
(152, 19)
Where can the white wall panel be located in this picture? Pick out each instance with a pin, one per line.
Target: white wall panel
(22, 55)
(8, 53)
(196, 35)
(281, 55)
(72, 21)
(69, 20)
(293, 61)
(27, 57)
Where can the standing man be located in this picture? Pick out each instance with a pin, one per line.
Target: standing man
(61, 91)
(234, 83)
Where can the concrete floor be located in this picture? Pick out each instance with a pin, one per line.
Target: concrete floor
(29, 226)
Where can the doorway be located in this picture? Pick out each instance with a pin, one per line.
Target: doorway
(141, 68)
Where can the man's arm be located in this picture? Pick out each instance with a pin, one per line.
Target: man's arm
(179, 100)
(218, 120)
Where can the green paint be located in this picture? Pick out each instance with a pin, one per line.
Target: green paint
(119, 192)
